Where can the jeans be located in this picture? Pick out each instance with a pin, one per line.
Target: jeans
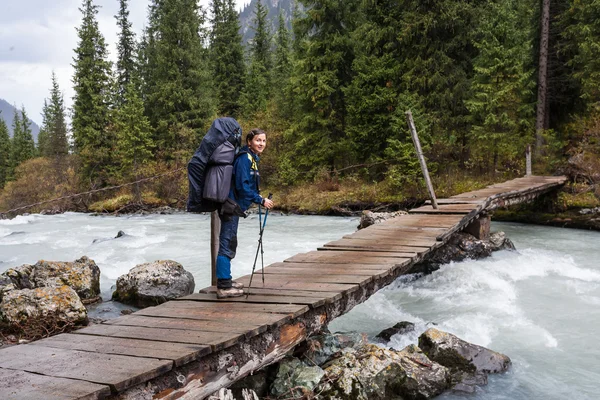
(227, 248)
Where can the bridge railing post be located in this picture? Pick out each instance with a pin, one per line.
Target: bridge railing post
(415, 138)
(528, 160)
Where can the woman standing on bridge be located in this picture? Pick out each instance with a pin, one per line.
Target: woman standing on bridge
(244, 191)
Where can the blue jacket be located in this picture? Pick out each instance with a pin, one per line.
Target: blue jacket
(245, 179)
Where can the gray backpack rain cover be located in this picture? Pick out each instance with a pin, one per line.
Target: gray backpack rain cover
(210, 168)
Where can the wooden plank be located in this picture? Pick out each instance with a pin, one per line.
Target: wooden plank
(343, 257)
(365, 268)
(308, 286)
(381, 250)
(248, 329)
(292, 310)
(426, 243)
(118, 372)
(217, 340)
(375, 246)
(459, 208)
(19, 385)
(301, 268)
(313, 278)
(177, 352)
(313, 302)
(274, 320)
(329, 296)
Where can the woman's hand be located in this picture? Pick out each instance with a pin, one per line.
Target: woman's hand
(268, 203)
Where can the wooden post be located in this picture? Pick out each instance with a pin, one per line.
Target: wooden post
(528, 161)
(215, 229)
(415, 138)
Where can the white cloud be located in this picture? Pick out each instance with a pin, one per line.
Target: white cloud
(38, 37)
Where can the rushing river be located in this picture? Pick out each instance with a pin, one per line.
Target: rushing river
(540, 305)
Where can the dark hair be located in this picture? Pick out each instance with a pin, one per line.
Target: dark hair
(254, 132)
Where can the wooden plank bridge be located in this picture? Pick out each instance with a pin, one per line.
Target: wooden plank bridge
(195, 345)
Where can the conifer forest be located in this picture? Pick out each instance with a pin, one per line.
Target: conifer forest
(484, 79)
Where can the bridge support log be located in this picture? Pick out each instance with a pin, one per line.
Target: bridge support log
(480, 227)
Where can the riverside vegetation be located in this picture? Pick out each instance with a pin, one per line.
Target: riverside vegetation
(331, 92)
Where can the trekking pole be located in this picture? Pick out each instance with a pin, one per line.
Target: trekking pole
(260, 235)
(262, 262)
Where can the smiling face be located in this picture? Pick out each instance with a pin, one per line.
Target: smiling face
(258, 143)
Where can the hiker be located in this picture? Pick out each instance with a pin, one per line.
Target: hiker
(245, 191)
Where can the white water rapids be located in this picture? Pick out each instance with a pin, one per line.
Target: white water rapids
(539, 305)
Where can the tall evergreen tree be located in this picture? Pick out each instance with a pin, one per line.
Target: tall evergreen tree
(22, 146)
(4, 152)
(258, 85)
(320, 74)
(126, 49)
(134, 132)
(437, 47)
(93, 142)
(43, 149)
(176, 80)
(376, 91)
(227, 56)
(502, 82)
(282, 69)
(58, 143)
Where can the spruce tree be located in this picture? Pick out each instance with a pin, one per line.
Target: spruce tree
(126, 49)
(321, 72)
(375, 95)
(22, 146)
(93, 142)
(503, 82)
(4, 152)
(58, 144)
(176, 80)
(227, 56)
(282, 69)
(437, 48)
(43, 149)
(134, 133)
(258, 84)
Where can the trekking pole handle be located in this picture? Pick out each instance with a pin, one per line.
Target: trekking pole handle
(270, 196)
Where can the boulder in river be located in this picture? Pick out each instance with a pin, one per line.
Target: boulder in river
(400, 328)
(321, 348)
(373, 372)
(82, 275)
(42, 309)
(295, 379)
(468, 363)
(154, 283)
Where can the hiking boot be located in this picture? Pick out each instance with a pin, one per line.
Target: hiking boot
(229, 292)
(237, 285)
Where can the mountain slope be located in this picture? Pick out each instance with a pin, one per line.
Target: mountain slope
(274, 6)
(7, 114)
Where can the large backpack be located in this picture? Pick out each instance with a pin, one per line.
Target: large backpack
(211, 167)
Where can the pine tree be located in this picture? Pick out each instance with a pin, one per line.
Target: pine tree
(437, 48)
(375, 94)
(583, 32)
(134, 132)
(258, 84)
(43, 149)
(282, 70)
(22, 146)
(126, 49)
(227, 56)
(176, 80)
(502, 82)
(4, 152)
(58, 144)
(93, 142)
(321, 72)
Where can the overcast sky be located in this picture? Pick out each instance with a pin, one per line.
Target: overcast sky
(38, 36)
